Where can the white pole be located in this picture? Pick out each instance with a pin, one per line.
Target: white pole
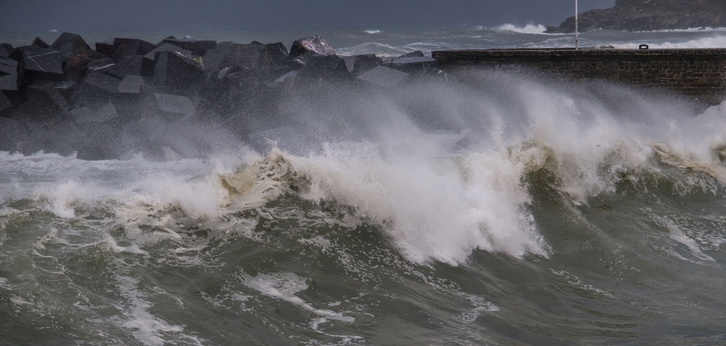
(577, 30)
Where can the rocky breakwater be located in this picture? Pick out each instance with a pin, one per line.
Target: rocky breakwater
(647, 15)
(128, 95)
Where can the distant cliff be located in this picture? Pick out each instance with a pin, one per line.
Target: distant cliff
(645, 15)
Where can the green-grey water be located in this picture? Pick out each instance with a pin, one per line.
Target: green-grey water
(504, 211)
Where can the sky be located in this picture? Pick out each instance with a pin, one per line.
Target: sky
(139, 15)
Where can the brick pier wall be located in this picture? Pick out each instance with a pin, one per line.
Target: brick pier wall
(696, 73)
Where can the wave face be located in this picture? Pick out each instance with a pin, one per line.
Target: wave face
(501, 210)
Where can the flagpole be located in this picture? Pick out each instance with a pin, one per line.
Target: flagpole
(577, 30)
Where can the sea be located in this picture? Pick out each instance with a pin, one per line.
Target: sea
(507, 210)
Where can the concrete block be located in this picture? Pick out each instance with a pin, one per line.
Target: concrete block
(213, 57)
(124, 47)
(11, 133)
(357, 64)
(131, 84)
(314, 44)
(8, 74)
(41, 60)
(105, 47)
(102, 65)
(45, 103)
(196, 47)
(384, 76)
(5, 50)
(102, 81)
(166, 47)
(76, 54)
(38, 42)
(5, 103)
(101, 114)
(324, 66)
(174, 106)
(178, 71)
(130, 65)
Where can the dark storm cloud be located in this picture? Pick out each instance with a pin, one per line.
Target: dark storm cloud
(243, 14)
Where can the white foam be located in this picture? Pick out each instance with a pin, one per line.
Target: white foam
(145, 327)
(527, 29)
(284, 286)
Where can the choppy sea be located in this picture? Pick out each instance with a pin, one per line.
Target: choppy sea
(510, 211)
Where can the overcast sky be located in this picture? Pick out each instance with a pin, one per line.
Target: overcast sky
(139, 15)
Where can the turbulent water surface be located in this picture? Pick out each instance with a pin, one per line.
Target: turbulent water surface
(508, 210)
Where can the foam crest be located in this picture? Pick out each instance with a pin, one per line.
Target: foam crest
(527, 29)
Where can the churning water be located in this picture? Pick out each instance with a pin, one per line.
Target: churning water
(507, 210)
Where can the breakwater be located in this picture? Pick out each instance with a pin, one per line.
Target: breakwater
(69, 97)
(698, 74)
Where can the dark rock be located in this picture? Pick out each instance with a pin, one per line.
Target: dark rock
(313, 44)
(268, 60)
(102, 65)
(38, 42)
(45, 103)
(8, 74)
(173, 106)
(105, 47)
(325, 67)
(131, 84)
(5, 103)
(131, 65)
(178, 71)
(76, 54)
(44, 62)
(413, 63)
(5, 50)
(102, 81)
(11, 132)
(166, 47)
(100, 114)
(384, 76)
(357, 64)
(196, 47)
(124, 47)
(213, 58)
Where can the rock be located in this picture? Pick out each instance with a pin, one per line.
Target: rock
(268, 60)
(174, 106)
(5, 103)
(178, 71)
(5, 50)
(413, 63)
(104, 113)
(313, 44)
(105, 47)
(132, 65)
(76, 54)
(131, 84)
(213, 58)
(384, 76)
(325, 67)
(125, 47)
(644, 15)
(45, 103)
(43, 62)
(38, 42)
(196, 47)
(11, 133)
(8, 74)
(357, 64)
(166, 47)
(102, 65)
(102, 81)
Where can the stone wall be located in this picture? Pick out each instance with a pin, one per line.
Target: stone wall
(696, 73)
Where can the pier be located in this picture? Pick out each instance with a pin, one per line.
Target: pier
(699, 74)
